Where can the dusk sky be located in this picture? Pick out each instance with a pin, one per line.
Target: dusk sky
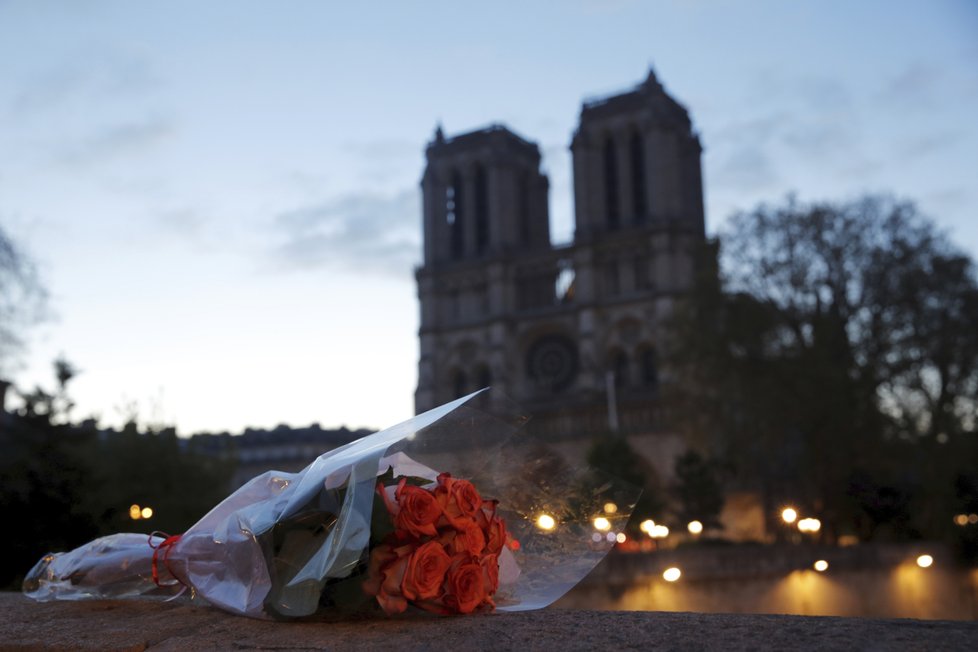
(223, 199)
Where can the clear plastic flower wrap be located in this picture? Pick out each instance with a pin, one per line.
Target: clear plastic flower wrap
(287, 545)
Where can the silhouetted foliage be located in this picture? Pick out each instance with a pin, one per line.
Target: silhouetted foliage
(62, 485)
(22, 299)
(966, 493)
(826, 341)
(884, 510)
(612, 454)
(42, 482)
(698, 490)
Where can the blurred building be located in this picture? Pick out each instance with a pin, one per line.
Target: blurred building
(572, 332)
(282, 448)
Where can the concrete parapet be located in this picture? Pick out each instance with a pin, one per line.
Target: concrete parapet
(180, 625)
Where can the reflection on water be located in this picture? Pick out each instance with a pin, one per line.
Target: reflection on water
(904, 590)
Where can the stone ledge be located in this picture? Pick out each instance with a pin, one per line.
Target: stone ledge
(180, 625)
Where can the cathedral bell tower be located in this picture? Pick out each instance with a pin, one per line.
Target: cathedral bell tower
(636, 164)
(485, 201)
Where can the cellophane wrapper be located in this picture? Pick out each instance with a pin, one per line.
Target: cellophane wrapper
(271, 547)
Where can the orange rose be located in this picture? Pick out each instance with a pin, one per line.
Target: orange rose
(496, 537)
(460, 496)
(384, 576)
(490, 573)
(425, 572)
(418, 510)
(379, 556)
(469, 539)
(466, 589)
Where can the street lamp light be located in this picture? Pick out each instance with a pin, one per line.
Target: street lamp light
(809, 525)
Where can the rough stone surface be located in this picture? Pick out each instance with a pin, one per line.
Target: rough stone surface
(180, 625)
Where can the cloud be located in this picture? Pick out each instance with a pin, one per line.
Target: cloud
(185, 222)
(819, 138)
(915, 87)
(759, 130)
(824, 94)
(747, 167)
(804, 122)
(117, 140)
(745, 151)
(383, 149)
(800, 92)
(89, 78)
(364, 232)
(928, 144)
(954, 199)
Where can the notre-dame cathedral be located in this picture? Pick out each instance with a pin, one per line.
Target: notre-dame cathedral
(569, 332)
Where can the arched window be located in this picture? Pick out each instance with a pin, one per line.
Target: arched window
(454, 215)
(461, 384)
(524, 208)
(611, 184)
(650, 369)
(484, 377)
(643, 280)
(481, 210)
(619, 365)
(612, 279)
(639, 198)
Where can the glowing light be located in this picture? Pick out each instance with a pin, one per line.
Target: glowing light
(694, 527)
(821, 565)
(135, 513)
(602, 524)
(961, 519)
(659, 532)
(788, 515)
(647, 526)
(925, 561)
(147, 512)
(620, 537)
(546, 522)
(596, 537)
(809, 525)
(610, 508)
(611, 537)
(671, 574)
(973, 518)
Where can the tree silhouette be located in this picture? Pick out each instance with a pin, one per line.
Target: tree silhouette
(613, 455)
(823, 340)
(22, 299)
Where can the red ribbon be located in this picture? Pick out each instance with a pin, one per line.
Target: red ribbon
(166, 546)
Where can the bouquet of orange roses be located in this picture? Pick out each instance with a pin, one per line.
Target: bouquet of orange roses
(374, 523)
(443, 554)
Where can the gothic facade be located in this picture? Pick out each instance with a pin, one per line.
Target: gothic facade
(571, 332)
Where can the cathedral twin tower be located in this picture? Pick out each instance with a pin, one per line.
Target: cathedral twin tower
(558, 329)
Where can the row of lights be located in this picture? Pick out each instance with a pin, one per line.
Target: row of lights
(136, 512)
(966, 519)
(602, 524)
(924, 561)
(673, 573)
(547, 523)
(789, 515)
